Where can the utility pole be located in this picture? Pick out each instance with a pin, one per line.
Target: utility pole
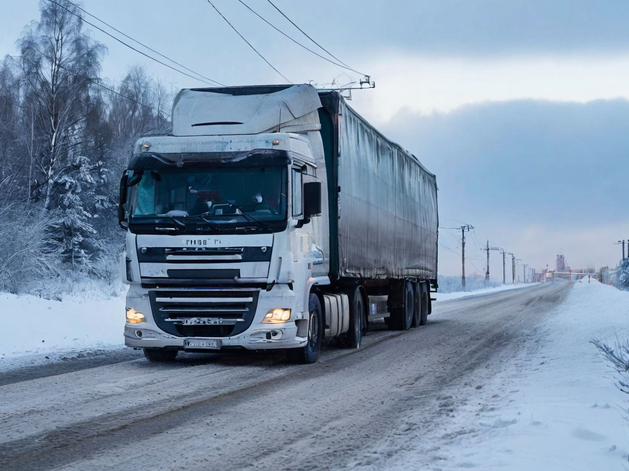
(487, 271)
(487, 250)
(504, 282)
(512, 266)
(623, 246)
(464, 228)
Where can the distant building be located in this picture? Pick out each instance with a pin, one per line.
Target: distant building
(561, 263)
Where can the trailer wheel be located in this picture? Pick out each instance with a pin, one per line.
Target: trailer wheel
(354, 336)
(425, 294)
(310, 353)
(417, 304)
(402, 318)
(160, 355)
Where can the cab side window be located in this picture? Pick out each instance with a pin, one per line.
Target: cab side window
(297, 180)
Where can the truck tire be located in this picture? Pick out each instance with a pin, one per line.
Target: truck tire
(402, 318)
(354, 336)
(310, 353)
(160, 355)
(425, 294)
(417, 305)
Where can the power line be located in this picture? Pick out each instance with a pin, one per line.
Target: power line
(338, 64)
(95, 82)
(248, 43)
(144, 45)
(315, 42)
(448, 248)
(130, 46)
(457, 253)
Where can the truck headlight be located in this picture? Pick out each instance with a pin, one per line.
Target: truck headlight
(134, 317)
(276, 316)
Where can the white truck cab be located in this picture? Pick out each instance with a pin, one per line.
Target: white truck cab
(221, 251)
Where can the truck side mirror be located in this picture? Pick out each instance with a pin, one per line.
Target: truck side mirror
(312, 201)
(122, 220)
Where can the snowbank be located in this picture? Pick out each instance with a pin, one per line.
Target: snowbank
(479, 292)
(33, 328)
(555, 406)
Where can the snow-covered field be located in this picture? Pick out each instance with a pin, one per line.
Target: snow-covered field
(42, 330)
(555, 407)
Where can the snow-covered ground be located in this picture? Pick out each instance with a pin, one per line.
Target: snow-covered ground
(555, 407)
(42, 330)
(480, 292)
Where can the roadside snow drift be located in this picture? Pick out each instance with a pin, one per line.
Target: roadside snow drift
(33, 326)
(554, 407)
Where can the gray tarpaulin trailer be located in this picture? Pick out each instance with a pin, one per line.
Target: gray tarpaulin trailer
(384, 223)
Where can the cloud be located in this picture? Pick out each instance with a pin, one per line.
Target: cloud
(464, 27)
(530, 167)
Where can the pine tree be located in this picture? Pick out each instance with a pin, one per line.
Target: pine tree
(71, 236)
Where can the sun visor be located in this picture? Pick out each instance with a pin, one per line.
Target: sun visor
(246, 110)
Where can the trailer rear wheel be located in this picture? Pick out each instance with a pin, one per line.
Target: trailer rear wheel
(425, 294)
(354, 336)
(402, 318)
(159, 355)
(417, 305)
(310, 353)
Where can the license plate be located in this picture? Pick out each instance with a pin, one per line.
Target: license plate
(207, 344)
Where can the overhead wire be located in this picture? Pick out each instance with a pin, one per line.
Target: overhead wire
(311, 39)
(248, 43)
(133, 48)
(97, 83)
(336, 63)
(144, 45)
(468, 259)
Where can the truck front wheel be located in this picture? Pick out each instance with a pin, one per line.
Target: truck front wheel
(158, 355)
(310, 353)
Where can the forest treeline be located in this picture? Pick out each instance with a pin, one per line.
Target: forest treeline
(65, 136)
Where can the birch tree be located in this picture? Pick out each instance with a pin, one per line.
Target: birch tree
(60, 64)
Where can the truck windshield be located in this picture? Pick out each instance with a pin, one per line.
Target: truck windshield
(209, 196)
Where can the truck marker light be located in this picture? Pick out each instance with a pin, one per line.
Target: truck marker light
(277, 316)
(276, 143)
(134, 317)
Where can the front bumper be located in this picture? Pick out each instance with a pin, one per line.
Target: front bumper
(258, 336)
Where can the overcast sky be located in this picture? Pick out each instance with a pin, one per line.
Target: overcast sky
(519, 106)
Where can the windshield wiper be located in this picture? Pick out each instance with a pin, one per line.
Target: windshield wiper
(203, 217)
(249, 217)
(173, 219)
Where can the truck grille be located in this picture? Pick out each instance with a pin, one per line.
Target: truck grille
(204, 312)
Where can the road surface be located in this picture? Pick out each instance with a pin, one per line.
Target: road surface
(234, 411)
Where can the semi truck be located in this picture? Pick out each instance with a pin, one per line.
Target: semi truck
(273, 217)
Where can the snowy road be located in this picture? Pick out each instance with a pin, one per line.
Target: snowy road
(350, 410)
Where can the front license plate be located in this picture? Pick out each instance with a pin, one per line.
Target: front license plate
(207, 344)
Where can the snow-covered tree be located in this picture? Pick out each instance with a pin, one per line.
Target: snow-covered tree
(64, 141)
(71, 236)
(623, 274)
(60, 63)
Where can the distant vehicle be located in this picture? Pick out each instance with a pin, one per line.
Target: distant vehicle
(272, 217)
